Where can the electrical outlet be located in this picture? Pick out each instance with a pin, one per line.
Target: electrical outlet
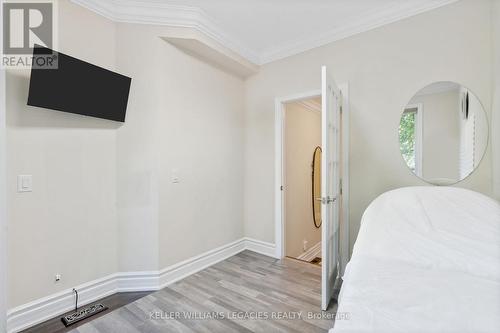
(24, 183)
(175, 176)
(304, 245)
(58, 277)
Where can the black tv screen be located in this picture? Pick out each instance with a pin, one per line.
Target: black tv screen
(79, 87)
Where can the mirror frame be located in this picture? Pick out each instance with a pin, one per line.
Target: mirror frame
(316, 151)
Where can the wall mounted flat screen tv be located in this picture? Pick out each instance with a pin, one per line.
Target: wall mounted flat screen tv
(76, 86)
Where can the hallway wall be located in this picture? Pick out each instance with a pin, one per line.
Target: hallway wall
(302, 136)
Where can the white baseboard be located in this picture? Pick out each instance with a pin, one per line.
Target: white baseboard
(313, 252)
(42, 309)
(30, 314)
(265, 248)
(193, 265)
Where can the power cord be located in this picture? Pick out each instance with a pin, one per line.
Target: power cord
(76, 301)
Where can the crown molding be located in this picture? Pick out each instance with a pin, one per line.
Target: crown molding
(157, 13)
(214, 54)
(369, 22)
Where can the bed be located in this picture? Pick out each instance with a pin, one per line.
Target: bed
(427, 259)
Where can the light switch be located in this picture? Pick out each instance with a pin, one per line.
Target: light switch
(24, 183)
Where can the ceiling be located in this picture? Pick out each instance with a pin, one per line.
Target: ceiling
(266, 30)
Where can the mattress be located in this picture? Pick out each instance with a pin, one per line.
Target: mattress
(427, 259)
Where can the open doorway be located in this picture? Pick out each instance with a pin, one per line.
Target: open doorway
(302, 179)
(334, 170)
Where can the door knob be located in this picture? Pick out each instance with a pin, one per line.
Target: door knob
(327, 200)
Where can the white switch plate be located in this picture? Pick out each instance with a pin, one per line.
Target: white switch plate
(24, 183)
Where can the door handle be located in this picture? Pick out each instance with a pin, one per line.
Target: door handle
(327, 200)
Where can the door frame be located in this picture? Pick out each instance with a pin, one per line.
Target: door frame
(279, 181)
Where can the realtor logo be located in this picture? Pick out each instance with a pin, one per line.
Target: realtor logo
(26, 24)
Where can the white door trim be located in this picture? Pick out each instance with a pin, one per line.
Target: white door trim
(279, 227)
(279, 230)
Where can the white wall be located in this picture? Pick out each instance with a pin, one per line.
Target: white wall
(67, 225)
(139, 56)
(495, 119)
(3, 214)
(385, 67)
(202, 139)
(302, 133)
(441, 135)
(183, 115)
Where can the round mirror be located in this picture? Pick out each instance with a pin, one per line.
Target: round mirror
(443, 133)
(316, 187)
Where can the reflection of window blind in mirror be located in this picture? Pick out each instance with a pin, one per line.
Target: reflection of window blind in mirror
(467, 145)
(452, 136)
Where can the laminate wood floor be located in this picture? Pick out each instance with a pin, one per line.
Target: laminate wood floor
(248, 292)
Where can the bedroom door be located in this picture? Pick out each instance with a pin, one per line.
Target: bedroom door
(330, 184)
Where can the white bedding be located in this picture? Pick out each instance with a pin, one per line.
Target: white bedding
(427, 259)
